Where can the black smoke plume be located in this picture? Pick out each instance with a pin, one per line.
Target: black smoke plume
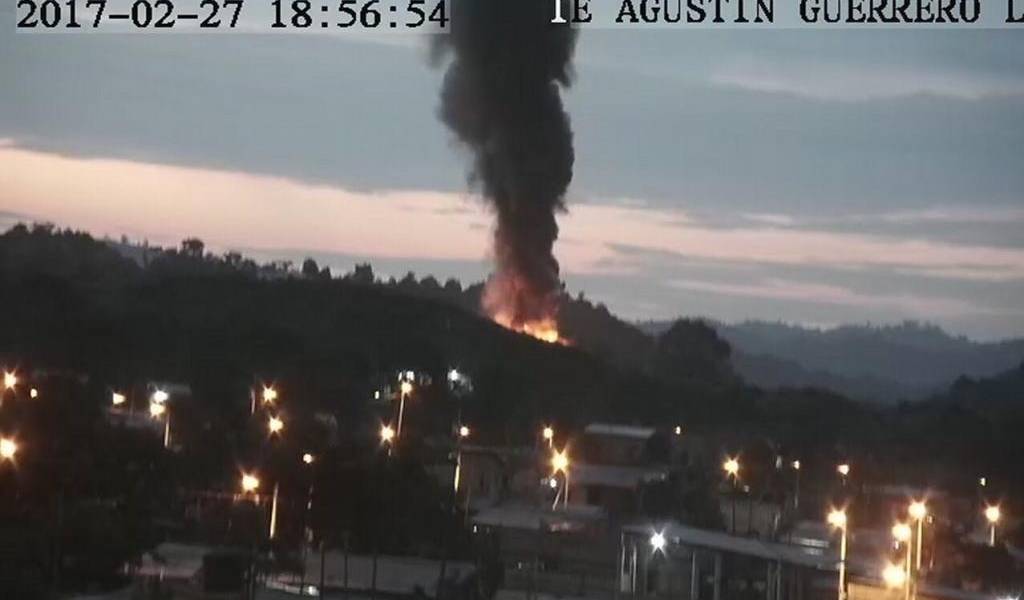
(502, 98)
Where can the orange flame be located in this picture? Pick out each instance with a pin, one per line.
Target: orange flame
(545, 329)
(498, 305)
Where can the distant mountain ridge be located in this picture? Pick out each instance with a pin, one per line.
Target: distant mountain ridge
(887, 363)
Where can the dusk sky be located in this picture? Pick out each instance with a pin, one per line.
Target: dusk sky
(819, 177)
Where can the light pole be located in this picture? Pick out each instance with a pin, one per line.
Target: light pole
(406, 389)
(732, 471)
(992, 514)
(837, 519)
(918, 510)
(796, 493)
(158, 410)
(463, 433)
(903, 534)
(560, 463)
(273, 512)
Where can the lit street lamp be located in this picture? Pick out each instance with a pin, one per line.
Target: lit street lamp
(406, 389)
(160, 396)
(658, 541)
(308, 458)
(796, 490)
(250, 483)
(918, 510)
(903, 534)
(837, 519)
(10, 380)
(275, 425)
(33, 393)
(549, 435)
(560, 464)
(158, 410)
(894, 576)
(8, 448)
(117, 399)
(387, 433)
(844, 471)
(732, 471)
(992, 514)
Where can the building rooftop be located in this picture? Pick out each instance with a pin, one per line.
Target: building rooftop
(626, 431)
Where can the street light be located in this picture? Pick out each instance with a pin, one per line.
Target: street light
(844, 470)
(10, 380)
(796, 488)
(33, 393)
(560, 463)
(894, 576)
(904, 534)
(679, 430)
(992, 514)
(732, 470)
(549, 435)
(463, 431)
(269, 394)
(160, 396)
(250, 483)
(158, 410)
(117, 399)
(658, 541)
(837, 519)
(387, 433)
(8, 448)
(275, 425)
(918, 510)
(308, 458)
(406, 388)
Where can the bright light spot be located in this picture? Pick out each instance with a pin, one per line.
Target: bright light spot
(406, 387)
(843, 469)
(269, 394)
(992, 513)
(548, 433)
(410, 376)
(10, 380)
(560, 461)
(33, 393)
(679, 430)
(160, 396)
(156, 409)
(454, 376)
(8, 448)
(275, 425)
(387, 433)
(796, 465)
(463, 431)
(308, 458)
(901, 532)
(250, 483)
(918, 510)
(552, 483)
(982, 481)
(837, 518)
(731, 466)
(894, 575)
(376, 394)
(118, 399)
(658, 541)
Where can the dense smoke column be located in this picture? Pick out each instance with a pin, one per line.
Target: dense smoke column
(501, 97)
